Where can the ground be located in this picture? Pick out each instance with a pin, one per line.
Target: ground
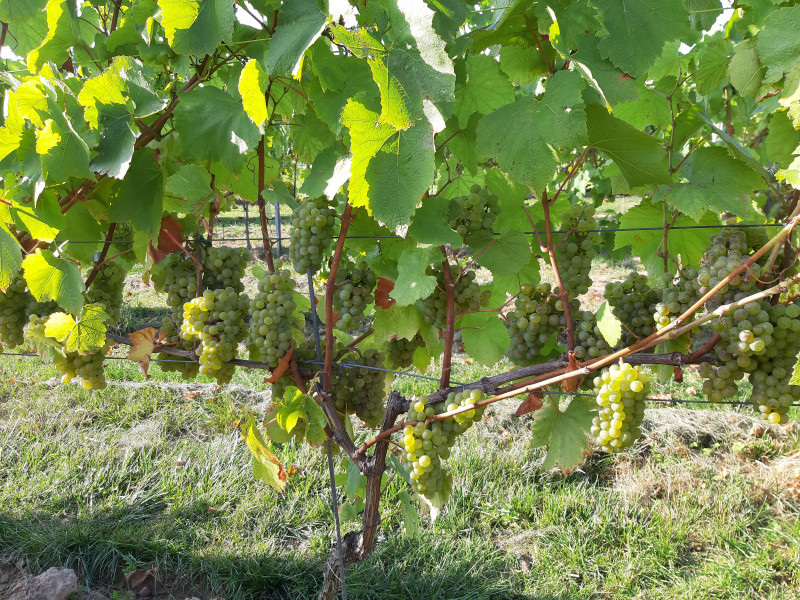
(152, 474)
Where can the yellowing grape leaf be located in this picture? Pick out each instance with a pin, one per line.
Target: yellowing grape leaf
(266, 465)
(143, 342)
(82, 335)
(564, 433)
(609, 324)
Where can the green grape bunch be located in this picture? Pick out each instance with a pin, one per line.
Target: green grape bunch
(400, 352)
(355, 290)
(476, 213)
(312, 231)
(427, 445)
(679, 292)
(574, 253)
(361, 389)
(633, 302)
(216, 320)
(87, 367)
(271, 311)
(537, 316)
(107, 289)
(620, 391)
(224, 267)
(467, 296)
(16, 305)
(589, 341)
(176, 276)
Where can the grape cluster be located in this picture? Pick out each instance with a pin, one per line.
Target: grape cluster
(427, 445)
(170, 363)
(772, 392)
(271, 312)
(122, 240)
(727, 252)
(537, 315)
(589, 342)
(224, 267)
(356, 289)
(216, 320)
(87, 367)
(176, 276)
(633, 302)
(107, 288)
(621, 390)
(400, 353)
(477, 212)
(679, 293)
(312, 232)
(361, 390)
(761, 341)
(466, 294)
(575, 253)
(16, 303)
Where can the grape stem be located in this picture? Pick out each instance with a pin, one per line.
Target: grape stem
(562, 291)
(449, 331)
(101, 259)
(262, 207)
(340, 435)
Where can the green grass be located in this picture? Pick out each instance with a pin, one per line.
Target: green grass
(148, 473)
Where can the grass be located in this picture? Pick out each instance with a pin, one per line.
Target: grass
(146, 474)
(152, 472)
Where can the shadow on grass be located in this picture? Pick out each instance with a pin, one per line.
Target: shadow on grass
(103, 546)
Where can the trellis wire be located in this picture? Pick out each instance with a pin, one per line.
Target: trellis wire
(395, 237)
(426, 377)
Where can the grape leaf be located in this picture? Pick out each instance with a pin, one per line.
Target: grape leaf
(431, 222)
(486, 89)
(522, 65)
(715, 180)
(396, 322)
(609, 324)
(411, 521)
(193, 184)
(51, 277)
(196, 26)
(266, 465)
(781, 140)
(300, 24)
(524, 136)
(703, 13)
(209, 113)
(42, 221)
(416, 69)
(647, 109)
(328, 174)
(68, 156)
(81, 226)
(355, 480)
(81, 335)
(27, 23)
(62, 34)
(503, 254)
(310, 136)
(9, 141)
(564, 432)
(142, 344)
(638, 30)
(252, 87)
(10, 258)
(485, 336)
(412, 283)
(140, 195)
(712, 65)
(690, 244)
(778, 44)
(744, 69)
(611, 83)
(398, 174)
(640, 157)
(115, 147)
(791, 174)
